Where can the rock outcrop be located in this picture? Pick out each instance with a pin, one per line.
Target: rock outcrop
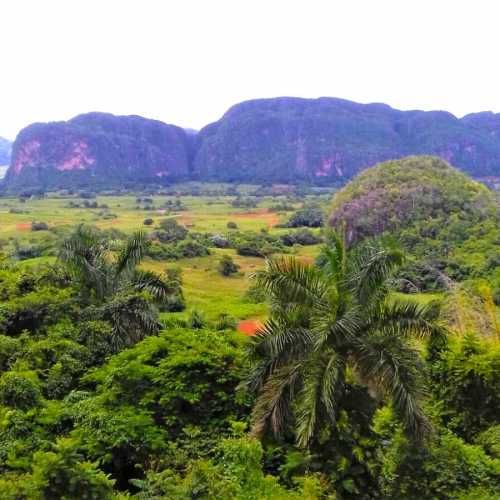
(98, 150)
(330, 140)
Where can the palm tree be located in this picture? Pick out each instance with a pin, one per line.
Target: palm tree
(332, 322)
(107, 277)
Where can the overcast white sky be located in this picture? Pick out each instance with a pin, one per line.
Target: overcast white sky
(185, 61)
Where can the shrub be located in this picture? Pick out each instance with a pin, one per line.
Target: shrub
(19, 391)
(63, 473)
(447, 468)
(227, 266)
(466, 378)
(226, 322)
(148, 222)
(219, 241)
(171, 231)
(301, 237)
(196, 320)
(39, 226)
(232, 225)
(191, 248)
(308, 217)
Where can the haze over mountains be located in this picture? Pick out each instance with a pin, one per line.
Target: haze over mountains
(280, 140)
(5, 149)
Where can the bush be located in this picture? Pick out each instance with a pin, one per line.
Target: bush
(63, 473)
(148, 222)
(301, 237)
(171, 231)
(249, 250)
(19, 391)
(226, 322)
(219, 241)
(197, 320)
(308, 217)
(227, 266)
(447, 468)
(232, 225)
(39, 226)
(466, 379)
(191, 248)
(175, 302)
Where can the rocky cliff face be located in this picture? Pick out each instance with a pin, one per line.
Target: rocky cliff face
(282, 140)
(330, 140)
(97, 150)
(5, 148)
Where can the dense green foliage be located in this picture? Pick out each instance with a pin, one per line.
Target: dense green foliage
(449, 223)
(109, 390)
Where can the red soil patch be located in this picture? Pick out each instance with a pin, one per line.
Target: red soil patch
(249, 326)
(23, 226)
(116, 221)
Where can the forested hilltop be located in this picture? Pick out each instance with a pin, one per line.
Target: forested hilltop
(324, 141)
(230, 341)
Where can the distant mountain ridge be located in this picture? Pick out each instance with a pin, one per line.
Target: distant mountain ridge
(98, 150)
(279, 140)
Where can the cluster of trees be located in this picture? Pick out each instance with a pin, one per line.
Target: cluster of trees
(172, 241)
(308, 216)
(348, 391)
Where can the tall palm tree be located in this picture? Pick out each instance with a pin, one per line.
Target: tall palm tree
(332, 322)
(108, 278)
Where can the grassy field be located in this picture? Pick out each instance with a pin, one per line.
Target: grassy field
(204, 288)
(203, 214)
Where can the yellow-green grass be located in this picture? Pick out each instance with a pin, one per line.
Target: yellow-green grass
(204, 288)
(203, 214)
(213, 294)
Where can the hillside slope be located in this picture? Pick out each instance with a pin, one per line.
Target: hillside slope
(330, 140)
(97, 150)
(324, 141)
(439, 214)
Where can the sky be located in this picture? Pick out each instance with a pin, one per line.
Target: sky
(187, 61)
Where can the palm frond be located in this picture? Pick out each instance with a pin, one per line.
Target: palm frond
(133, 318)
(337, 327)
(131, 253)
(396, 370)
(332, 385)
(275, 338)
(152, 283)
(273, 404)
(373, 265)
(308, 399)
(84, 255)
(291, 281)
(408, 318)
